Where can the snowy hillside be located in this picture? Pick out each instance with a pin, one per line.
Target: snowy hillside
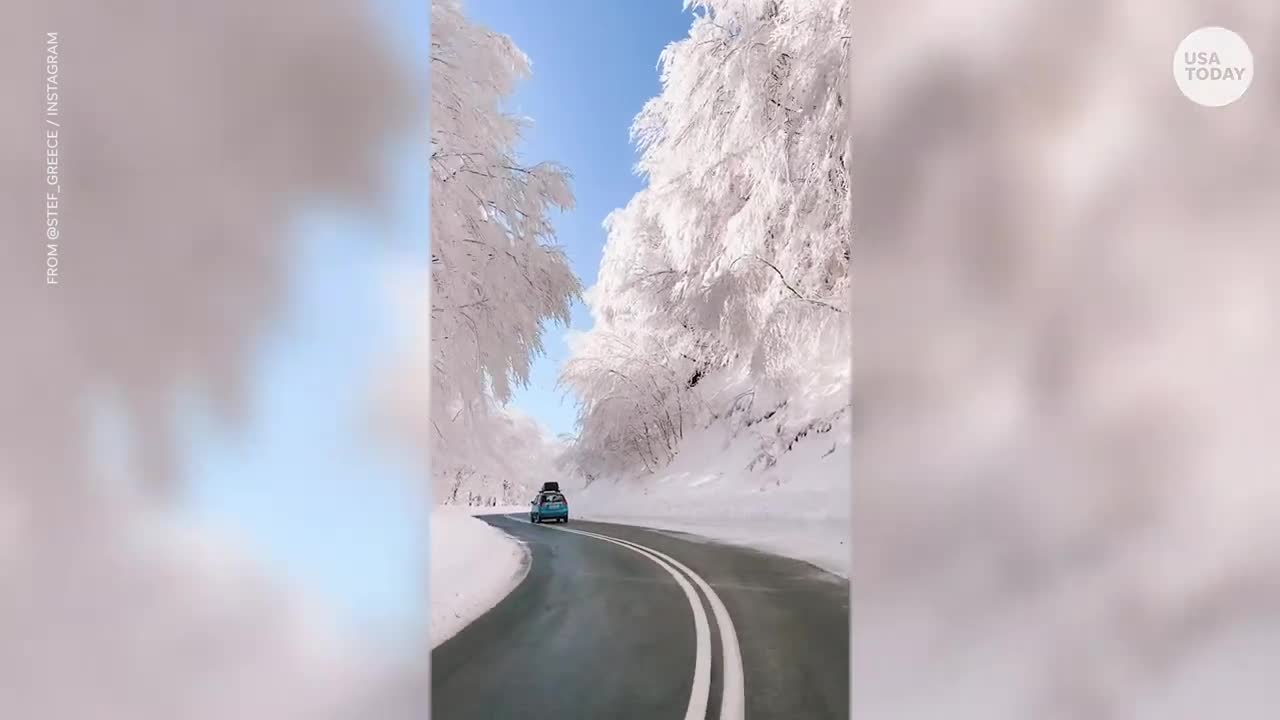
(799, 507)
(769, 469)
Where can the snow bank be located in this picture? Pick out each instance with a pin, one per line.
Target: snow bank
(799, 507)
(473, 566)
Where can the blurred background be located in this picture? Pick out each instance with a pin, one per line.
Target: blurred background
(197, 517)
(1068, 274)
(1067, 280)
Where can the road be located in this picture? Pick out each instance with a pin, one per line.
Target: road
(615, 622)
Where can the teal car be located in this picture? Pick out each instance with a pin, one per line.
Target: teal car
(549, 506)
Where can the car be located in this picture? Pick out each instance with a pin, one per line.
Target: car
(549, 506)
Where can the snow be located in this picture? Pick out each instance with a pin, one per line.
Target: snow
(473, 566)
(798, 508)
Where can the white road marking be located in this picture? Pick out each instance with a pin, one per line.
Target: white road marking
(733, 688)
(733, 698)
(701, 694)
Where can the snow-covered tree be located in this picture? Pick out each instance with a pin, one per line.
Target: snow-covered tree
(734, 260)
(496, 276)
(515, 458)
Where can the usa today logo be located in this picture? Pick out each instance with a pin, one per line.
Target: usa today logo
(1213, 66)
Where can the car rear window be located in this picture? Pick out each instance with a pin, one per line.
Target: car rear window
(552, 498)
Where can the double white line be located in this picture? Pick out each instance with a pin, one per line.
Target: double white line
(732, 689)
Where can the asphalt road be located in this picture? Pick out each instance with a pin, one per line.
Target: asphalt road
(629, 622)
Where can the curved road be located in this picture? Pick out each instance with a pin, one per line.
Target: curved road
(617, 622)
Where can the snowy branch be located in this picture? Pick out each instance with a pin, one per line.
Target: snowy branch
(795, 292)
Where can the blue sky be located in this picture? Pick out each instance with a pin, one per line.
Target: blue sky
(302, 482)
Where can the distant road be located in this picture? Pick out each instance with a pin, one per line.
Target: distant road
(615, 622)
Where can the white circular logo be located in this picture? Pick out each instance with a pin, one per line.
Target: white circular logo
(1213, 66)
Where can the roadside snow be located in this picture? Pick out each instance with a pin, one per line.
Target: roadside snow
(473, 566)
(798, 508)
